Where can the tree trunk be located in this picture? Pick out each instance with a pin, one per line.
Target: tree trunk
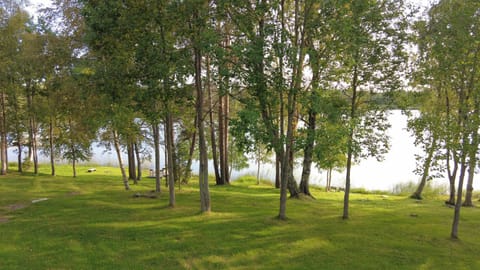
(471, 174)
(277, 171)
(74, 161)
(308, 154)
(452, 176)
(156, 143)
(34, 145)
(426, 168)
(465, 150)
(329, 180)
(472, 164)
(170, 149)
(132, 171)
(51, 146)
(213, 139)
(258, 169)
(221, 135)
(458, 203)
(139, 161)
(188, 169)
(224, 113)
(165, 152)
(291, 183)
(350, 142)
(223, 128)
(19, 155)
(3, 140)
(116, 143)
(202, 146)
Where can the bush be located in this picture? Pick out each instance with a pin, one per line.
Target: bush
(27, 165)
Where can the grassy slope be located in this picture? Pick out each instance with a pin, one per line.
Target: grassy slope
(104, 227)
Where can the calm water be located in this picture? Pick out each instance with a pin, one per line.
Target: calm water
(370, 174)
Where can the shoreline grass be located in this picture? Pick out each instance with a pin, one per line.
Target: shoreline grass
(90, 222)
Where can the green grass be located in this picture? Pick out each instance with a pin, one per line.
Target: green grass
(92, 223)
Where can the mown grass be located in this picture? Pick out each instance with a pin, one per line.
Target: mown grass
(90, 222)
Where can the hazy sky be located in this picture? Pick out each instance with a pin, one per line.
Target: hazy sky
(35, 4)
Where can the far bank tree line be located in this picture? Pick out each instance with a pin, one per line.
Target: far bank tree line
(303, 80)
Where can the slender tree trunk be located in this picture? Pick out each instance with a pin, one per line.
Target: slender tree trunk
(452, 174)
(202, 146)
(213, 139)
(139, 161)
(472, 164)
(277, 171)
(308, 154)
(223, 115)
(458, 203)
(329, 180)
(131, 161)
(4, 147)
(223, 134)
(188, 169)
(258, 168)
(426, 168)
(116, 144)
(465, 147)
(74, 161)
(34, 145)
(165, 152)
(19, 155)
(51, 146)
(170, 150)
(156, 142)
(346, 198)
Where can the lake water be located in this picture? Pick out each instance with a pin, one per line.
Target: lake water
(396, 168)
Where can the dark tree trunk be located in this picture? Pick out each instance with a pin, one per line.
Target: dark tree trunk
(51, 146)
(329, 180)
(223, 134)
(465, 147)
(34, 145)
(74, 161)
(258, 170)
(452, 176)
(3, 140)
(202, 146)
(213, 139)
(156, 143)
(165, 151)
(139, 161)
(291, 183)
(426, 168)
(308, 154)
(32, 130)
(277, 171)
(188, 169)
(170, 149)
(19, 155)
(472, 164)
(346, 198)
(458, 203)
(132, 171)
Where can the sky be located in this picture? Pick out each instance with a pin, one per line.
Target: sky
(36, 4)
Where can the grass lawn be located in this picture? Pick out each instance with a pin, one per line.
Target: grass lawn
(91, 222)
